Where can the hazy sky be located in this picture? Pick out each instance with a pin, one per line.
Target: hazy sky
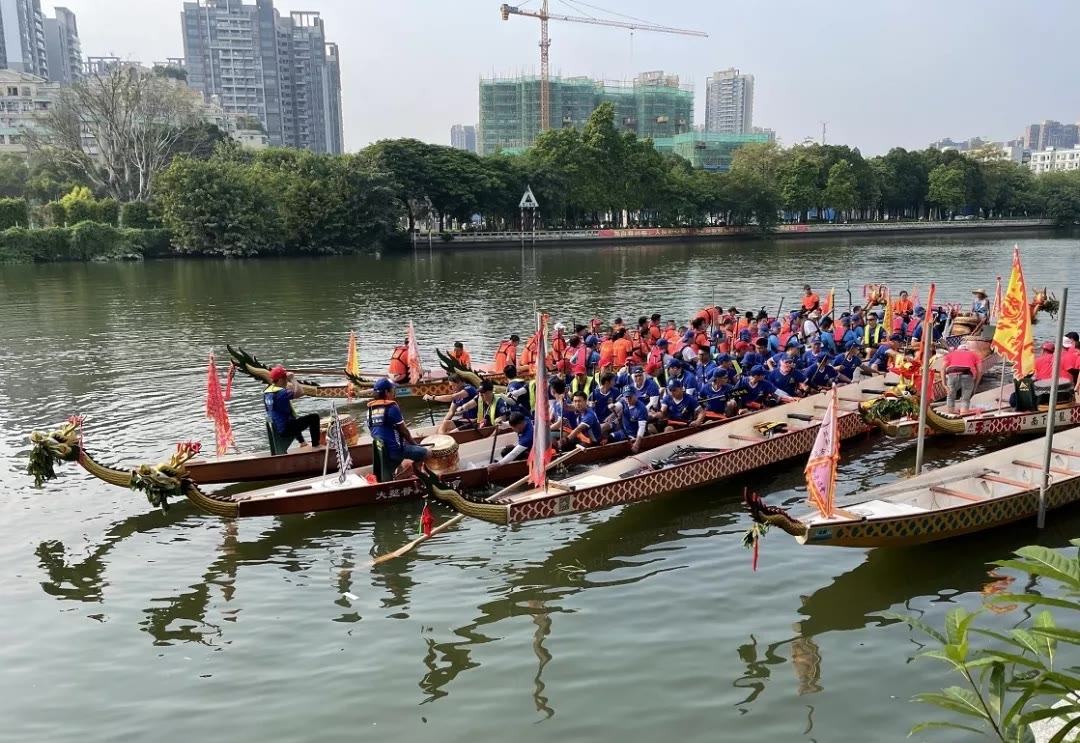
(881, 73)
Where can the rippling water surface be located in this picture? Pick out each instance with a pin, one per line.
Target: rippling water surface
(635, 624)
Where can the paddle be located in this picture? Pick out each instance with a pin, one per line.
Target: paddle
(779, 307)
(457, 519)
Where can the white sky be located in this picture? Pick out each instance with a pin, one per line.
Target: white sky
(881, 73)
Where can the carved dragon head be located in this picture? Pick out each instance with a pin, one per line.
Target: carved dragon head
(50, 449)
(165, 480)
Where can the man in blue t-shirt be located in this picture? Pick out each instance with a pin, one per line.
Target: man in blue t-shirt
(584, 426)
(679, 407)
(687, 381)
(704, 368)
(632, 419)
(647, 389)
(523, 427)
(754, 391)
(603, 397)
(463, 394)
(278, 397)
(878, 363)
(716, 399)
(387, 427)
(786, 377)
(849, 362)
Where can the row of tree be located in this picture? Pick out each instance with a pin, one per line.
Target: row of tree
(137, 136)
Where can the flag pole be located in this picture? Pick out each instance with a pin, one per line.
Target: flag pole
(927, 384)
(1053, 407)
(326, 456)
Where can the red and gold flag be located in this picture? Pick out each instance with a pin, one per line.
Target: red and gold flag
(541, 451)
(828, 306)
(352, 364)
(412, 357)
(215, 410)
(821, 469)
(887, 323)
(1013, 338)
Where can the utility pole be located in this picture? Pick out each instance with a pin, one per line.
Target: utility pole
(824, 124)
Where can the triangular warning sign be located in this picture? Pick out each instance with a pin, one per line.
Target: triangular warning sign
(528, 201)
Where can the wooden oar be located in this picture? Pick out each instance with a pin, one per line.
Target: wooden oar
(457, 519)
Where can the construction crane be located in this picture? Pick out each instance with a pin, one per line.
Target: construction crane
(545, 43)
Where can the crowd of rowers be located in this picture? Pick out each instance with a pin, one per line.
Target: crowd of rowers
(622, 384)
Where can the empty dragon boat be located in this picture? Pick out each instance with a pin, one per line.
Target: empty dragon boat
(982, 493)
(991, 415)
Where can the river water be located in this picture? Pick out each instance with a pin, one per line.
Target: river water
(120, 623)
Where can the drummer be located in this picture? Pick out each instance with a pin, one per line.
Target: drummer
(387, 425)
(278, 397)
(523, 427)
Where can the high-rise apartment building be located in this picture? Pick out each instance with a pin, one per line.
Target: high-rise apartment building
(729, 102)
(280, 70)
(1051, 134)
(62, 47)
(463, 137)
(22, 37)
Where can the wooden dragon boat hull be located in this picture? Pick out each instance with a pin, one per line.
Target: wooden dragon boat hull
(735, 448)
(295, 463)
(326, 493)
(982, 493)
(994, 417)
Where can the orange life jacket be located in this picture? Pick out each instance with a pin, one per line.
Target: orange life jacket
(607, 353)
(528, 356)
(399, 366)
(505, 356)
(701, 340)
(462, 357)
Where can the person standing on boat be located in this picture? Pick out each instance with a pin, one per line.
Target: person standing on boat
(387, 427)
(631, 419)
(463, 394)
(960, 373)
(523, 427)
(278, 397)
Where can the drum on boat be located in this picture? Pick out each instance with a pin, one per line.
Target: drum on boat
(444, 453)
(965, 324)
(349, 427)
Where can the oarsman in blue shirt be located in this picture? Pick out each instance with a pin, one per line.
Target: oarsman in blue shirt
(756, 357)
(754, 392)
(680, 408)
(705, 367)
(463, 394)
(647, 389)
(603, 397)
(585, 427)
(687, 381)
(793, 352)
(850, 334)
(828, 338)
(849, 362)
(879, 361)
(787, 378)
(716, 397)
(774, 339)
(632, 419)
(727, 367)
(523, 427)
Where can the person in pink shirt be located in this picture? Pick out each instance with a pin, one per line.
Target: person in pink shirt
(1070, 356)
(960, 374)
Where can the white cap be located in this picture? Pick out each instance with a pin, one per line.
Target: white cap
(560, 326)
(1066, 342)
(963, 347)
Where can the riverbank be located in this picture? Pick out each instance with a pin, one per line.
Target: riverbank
(662, 234)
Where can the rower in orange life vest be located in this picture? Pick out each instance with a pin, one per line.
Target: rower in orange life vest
(460, 355)
(278, 397)
(506, 354)
(387, 426)
(810, 301)
(398, 369)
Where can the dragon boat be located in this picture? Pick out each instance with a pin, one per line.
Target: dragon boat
(435, 382)
(744, 444)
(463, 466)
(991, 415)
(982, 493)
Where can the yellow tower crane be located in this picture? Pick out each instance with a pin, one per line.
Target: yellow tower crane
(545, 43)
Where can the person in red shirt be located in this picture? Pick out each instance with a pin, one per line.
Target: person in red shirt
(1044, 365)
(1070, 356)
(960, 374)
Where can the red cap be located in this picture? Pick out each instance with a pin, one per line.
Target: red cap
(278, 373)
(596, 321)
(579, 369)
(1048, 346)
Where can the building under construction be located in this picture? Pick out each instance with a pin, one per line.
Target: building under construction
(653, 105)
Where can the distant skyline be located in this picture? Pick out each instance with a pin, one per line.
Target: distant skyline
(881, 75)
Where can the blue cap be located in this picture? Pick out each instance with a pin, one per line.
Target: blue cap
(845, 321)
(920, 311)
(384, 385)
(775, 326)
(629, 391)
(637, 370)
(674, 383)
(793, 343)
(896, 337)
(853, 344)
(592, 340)
(674, 364)
(816, 342)
(758, 370)
(662, 343)
(744, 335)
(723, 358)
(793, 313)
(717, 373)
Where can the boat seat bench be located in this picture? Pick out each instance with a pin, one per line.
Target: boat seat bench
(1055, 470)
(956, 493)
(1008, 481)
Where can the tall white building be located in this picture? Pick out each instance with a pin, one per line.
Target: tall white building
(1052, 158)
(64, 52)
(729, 102)
(22, 37)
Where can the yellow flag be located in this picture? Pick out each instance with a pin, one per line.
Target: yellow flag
(888, 321)
(1013, 338)
(352, 364)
